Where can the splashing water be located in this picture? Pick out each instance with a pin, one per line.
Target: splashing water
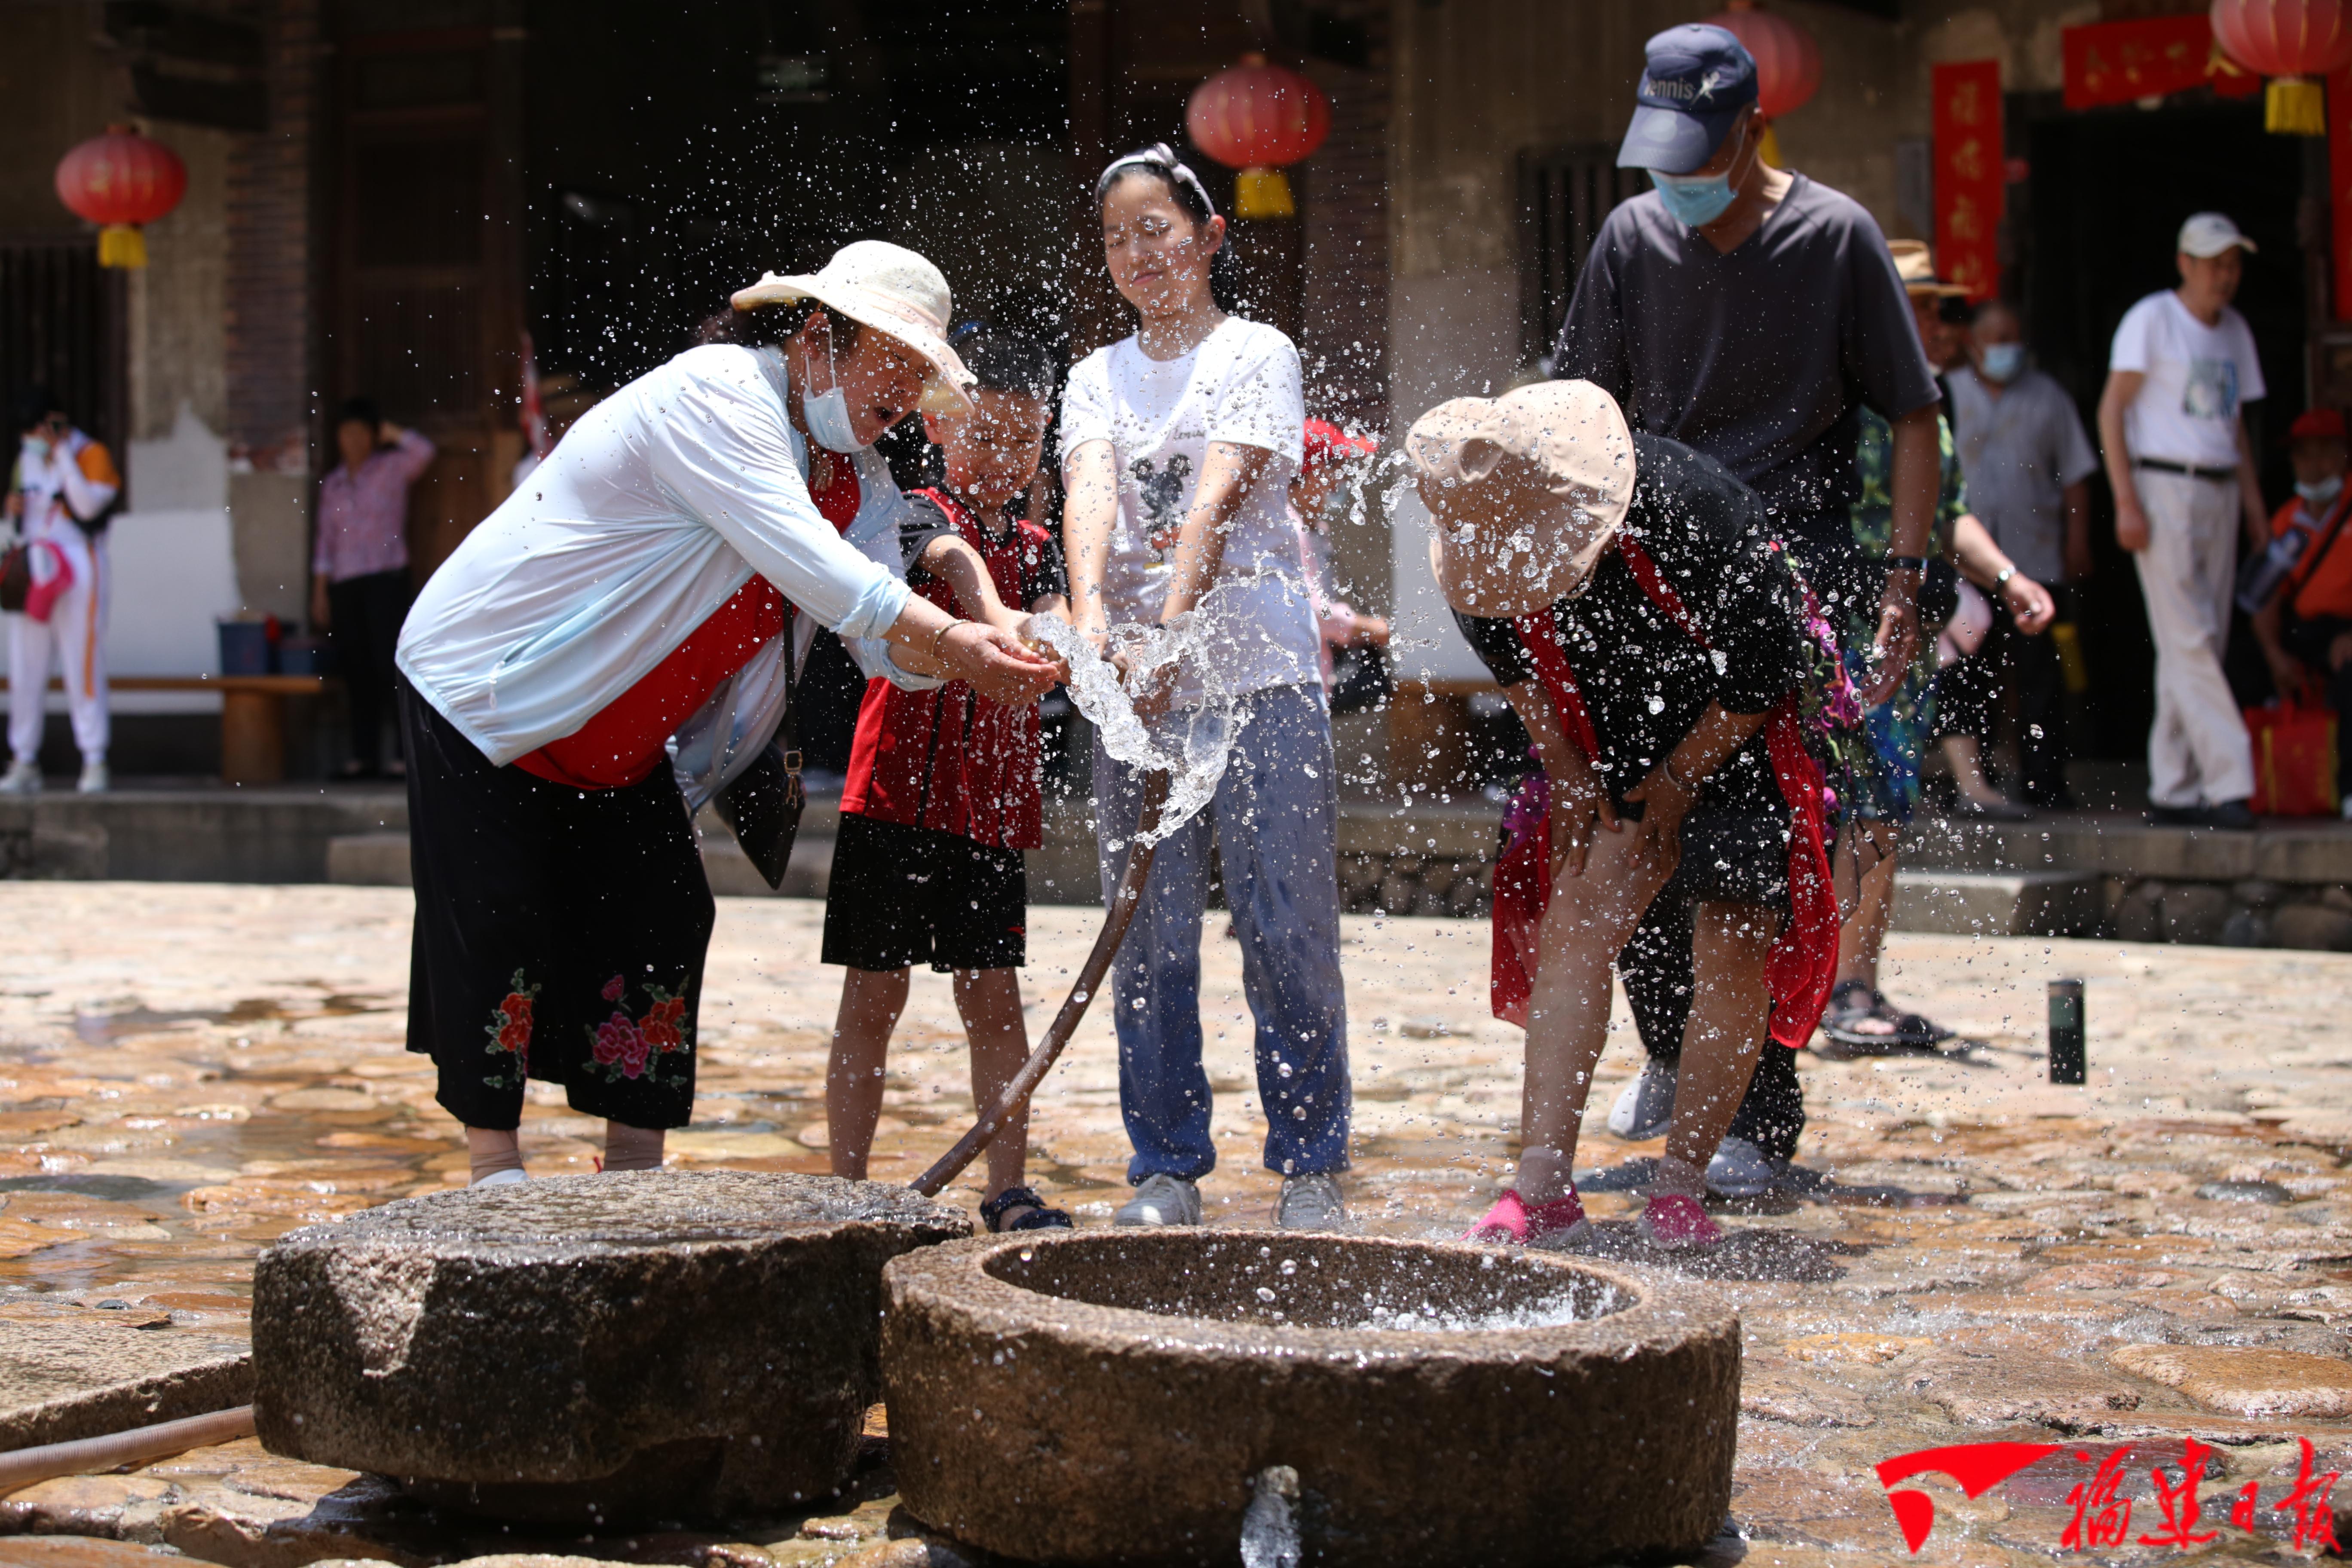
(1190, 744)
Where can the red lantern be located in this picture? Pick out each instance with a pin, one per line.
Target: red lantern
(1788, 61)
(2289, 41)
(120, 181)
(1256, 117)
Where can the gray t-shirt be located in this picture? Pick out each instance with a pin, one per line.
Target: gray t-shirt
(2018, 451)
(1760, 358)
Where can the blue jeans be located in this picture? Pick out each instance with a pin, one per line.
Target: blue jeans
(1277, 816)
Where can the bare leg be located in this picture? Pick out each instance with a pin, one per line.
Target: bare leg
(989, 1000)
(1863, 934)
(490, 1151)
(628, 1148)
(1967, 770)
(1589, 919)
(871, 1001)
(1730, 1005)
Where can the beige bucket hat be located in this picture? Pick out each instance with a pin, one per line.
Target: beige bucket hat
(891, 289)
(1916, 265)
(1525, 491)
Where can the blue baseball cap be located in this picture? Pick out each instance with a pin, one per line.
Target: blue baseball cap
(1698, 83)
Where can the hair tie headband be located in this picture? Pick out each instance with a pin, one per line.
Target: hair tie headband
(1158, 156)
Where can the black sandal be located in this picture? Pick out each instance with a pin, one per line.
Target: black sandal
(1852, 1004)
(1039, 1217)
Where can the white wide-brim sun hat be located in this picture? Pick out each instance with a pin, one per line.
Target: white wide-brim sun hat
(894, 291)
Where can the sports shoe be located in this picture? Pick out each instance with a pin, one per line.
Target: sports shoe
(1647, 1105)
(1310, 1203)
(1741, 1170)
(1161, 1200)
(94, 777)
(1511, 1223)
(22, 777)
(511, 1176)
(1675, 1223)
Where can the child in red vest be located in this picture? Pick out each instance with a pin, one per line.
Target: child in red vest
(943, 791)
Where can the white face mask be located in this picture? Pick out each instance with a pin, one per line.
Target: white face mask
(37, 449)
(828, 413)
(2321, 493)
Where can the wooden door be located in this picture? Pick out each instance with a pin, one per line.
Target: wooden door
(427, 313)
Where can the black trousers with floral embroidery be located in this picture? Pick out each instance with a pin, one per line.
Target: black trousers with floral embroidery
(560, 935)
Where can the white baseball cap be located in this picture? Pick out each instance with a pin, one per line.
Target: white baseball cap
(2211, 234)
(891, 289)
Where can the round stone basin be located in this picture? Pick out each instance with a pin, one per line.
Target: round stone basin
(598, 1348)
(1121, 1397)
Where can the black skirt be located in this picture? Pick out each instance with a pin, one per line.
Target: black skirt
(561, 935)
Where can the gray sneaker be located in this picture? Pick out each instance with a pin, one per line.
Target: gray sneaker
(1741, 1170)
(1161, 1200)
(1310, 1203)
(1647, 1105)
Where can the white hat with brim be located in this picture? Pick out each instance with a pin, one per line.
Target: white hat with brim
(1526, 491)
(2208, 235)
(891, 289)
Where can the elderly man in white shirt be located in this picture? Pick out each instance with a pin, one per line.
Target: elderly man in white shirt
(614, 644)
(2172, 423)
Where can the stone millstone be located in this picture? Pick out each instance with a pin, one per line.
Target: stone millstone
(1115, 1397)
(592, 1349)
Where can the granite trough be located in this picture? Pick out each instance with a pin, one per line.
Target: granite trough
(597, 1349)
(1142, 1397)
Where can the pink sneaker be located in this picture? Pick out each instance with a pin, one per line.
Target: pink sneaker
(1678, 1224)
(1512, 1222)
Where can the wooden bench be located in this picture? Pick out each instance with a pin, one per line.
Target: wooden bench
(253, 715)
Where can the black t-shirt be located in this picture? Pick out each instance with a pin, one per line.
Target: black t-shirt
(1759, 358)
(1645, 680)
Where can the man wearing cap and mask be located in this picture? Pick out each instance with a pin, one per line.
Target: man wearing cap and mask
(2172, 423)
(613, 646)
(1751, 312)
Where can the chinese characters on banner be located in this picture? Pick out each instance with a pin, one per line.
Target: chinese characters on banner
(1969, 174)
(2116, 62)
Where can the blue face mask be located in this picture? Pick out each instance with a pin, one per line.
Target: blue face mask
(37, 449)
(828, 413)
(2002, 361)
(1694, 200)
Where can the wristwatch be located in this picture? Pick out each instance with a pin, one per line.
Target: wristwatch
(2001, 578)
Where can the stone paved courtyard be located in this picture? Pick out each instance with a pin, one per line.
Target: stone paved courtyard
(188, 1070)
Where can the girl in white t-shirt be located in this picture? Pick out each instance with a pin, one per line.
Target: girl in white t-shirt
(1178, 447)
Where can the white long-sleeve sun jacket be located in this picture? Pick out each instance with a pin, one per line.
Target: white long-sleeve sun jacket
(651, 512)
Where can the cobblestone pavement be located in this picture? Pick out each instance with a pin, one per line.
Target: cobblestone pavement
(188, 1070)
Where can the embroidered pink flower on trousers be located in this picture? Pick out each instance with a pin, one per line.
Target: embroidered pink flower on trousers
(619, 1041)
(615, 988)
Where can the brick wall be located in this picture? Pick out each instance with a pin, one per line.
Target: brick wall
(271, 283)
(1345, 209)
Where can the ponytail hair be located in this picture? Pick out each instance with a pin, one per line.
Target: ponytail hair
(1184, 188)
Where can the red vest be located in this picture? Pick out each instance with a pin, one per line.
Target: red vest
(949, 758)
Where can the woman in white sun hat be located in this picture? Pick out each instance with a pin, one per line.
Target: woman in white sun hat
(613, 646)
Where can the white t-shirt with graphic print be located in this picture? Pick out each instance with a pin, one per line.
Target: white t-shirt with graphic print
(2197, 379)
(1242, 385)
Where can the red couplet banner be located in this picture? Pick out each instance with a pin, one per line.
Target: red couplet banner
(1969, 174)
(2116, 62)
(2339, 189)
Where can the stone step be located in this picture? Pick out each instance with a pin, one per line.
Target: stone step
(1996, 903)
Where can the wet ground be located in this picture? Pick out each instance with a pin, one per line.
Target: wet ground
(1974, 1256)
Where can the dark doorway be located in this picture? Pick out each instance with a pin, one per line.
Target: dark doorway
(2108, 194)
(64, 325)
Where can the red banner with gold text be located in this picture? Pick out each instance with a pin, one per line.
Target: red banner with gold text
(1969, 174)
(2339, 189)
(2116, 62)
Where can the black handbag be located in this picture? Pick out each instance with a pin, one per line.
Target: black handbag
(16, 578)
(761, 805)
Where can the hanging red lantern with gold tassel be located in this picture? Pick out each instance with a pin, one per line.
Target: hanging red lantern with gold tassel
(2291, 42)
(1788, 62)
(1257, 117)
(120, 181)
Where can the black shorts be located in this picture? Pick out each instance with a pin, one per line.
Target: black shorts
(901, 896)
(560, 935)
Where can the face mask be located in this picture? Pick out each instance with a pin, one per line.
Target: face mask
(2320, 494)
(1694, 202)
(37, 449)
(2003, 361)
(828, 413)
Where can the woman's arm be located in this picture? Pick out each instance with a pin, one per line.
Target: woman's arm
(1577, 800)
(1227, 476)
(1668, 794)
(1089, 514)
